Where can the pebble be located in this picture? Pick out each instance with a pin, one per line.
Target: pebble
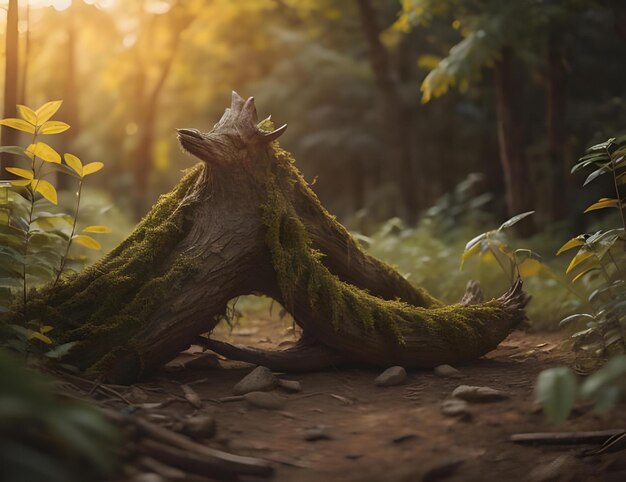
(447, 371)
(258, 380)
(200, 426)
(293, 386)
(442, 469)
(269, 401)
(478, 394)
(317, 433)
(454, 407)
(391, 376)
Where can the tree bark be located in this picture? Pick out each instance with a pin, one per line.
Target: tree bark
(9, 137)
(398, 116)
(555, 120)
(246, 222)
(517, 178)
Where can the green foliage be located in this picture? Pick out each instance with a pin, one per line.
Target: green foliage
(36, 237)
(558, 389)
(599, 264)
(46, 438)
(600, 259)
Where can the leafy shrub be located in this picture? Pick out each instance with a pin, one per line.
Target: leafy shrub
(599, 265)
(45, 438)
(36, 237)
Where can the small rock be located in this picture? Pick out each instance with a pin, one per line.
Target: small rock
(555, 470)
(200, 426)
(290, 385)
(442, 469)
(317, 433)
(391, 376)
(478, 394)
(260, 379)
(269, 401)
(148, 477)
(454, 407)
(354, 456)
(404, 437)
(447, 371)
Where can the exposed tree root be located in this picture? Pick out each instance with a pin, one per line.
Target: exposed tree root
(245, 221)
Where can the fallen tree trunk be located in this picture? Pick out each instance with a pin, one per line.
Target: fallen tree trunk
(245, 221)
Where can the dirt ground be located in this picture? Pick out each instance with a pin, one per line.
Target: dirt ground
(388, 434)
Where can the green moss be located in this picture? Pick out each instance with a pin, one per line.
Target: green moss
(299, 266)
(103, 307)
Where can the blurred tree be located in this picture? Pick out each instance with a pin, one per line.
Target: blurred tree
(11, 69)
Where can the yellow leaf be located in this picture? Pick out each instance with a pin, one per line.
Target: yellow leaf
(20, 182)
(53, 127)
(86, 241)
(74, 162)
(488, 257)
(572, 243)
(468, 254)
(97, 229)
(583, 273)
(27, 114)
(25, 173)
(46, 189)
(40, 337)
(529, 267)
(92, 167)
(47, 110)
(44, 152)
(603, 203)
(46, 329)
(19, 124)
(579, 258)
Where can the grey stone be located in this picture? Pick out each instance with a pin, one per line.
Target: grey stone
(290, 385)
(317, 433)
(200, 426)
(442, 469)
(391, 376)
(447, 371)
(260, 379)
(455, 407)
(269, 401)
(478, 394)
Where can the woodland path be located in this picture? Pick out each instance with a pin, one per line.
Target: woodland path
(388, 434)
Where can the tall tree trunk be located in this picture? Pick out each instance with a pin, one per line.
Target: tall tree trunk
(71, 92)
(9, 137)
(399, 117)
(24, 86)
(555, 120)
(143, 159)
(517, 178)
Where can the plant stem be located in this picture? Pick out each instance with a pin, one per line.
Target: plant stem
(619, 199)
(32, 191)
(69, 241)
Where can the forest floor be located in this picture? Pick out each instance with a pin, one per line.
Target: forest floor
(398, 433)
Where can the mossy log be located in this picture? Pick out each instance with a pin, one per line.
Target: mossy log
(244, 221)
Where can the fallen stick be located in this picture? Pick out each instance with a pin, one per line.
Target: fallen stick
(566, 438)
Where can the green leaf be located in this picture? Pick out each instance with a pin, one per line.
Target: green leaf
(597, 173)
(514, 220)
(556, 390)
(15, 150)
(574, 317)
